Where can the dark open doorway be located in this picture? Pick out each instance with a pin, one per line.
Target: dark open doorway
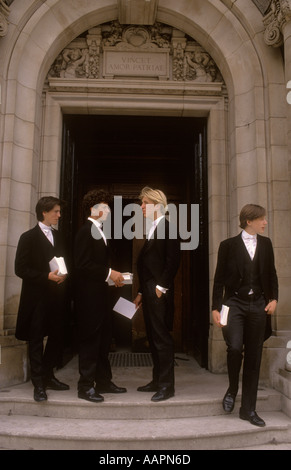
(123, 154)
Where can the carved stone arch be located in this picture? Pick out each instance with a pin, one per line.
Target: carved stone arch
(239, 134)
(112, 50)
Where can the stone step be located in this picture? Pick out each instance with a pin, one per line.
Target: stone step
(200, 433)
(198, 393)
(126, 406)
(192, 419)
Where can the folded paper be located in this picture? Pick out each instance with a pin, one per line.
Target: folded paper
(125, 308)
(127, 279)
(58, 263)
(224, 315)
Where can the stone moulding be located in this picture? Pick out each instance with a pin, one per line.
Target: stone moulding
(124, 87)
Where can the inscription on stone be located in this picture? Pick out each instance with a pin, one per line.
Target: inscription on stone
(136, 64)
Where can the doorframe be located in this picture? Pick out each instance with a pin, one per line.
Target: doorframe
(191, 326)
(202, 100)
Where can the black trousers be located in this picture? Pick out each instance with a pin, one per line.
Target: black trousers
(244, 336)
(159, 337)
(48, 320)
(94, 364)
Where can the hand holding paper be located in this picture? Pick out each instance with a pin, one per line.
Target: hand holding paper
(125, 278)
(125, 307)
(58, 264)
(58, 270)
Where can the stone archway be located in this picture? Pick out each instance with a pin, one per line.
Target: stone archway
(238, 127)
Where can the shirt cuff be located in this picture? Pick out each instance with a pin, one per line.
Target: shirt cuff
(106, 280)
(162, 289)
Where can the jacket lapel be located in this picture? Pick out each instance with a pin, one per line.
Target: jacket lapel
(261, 252)
(159, 230)
(46, 248)
(239, 253)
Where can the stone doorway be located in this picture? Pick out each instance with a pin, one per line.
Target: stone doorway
(123, 154)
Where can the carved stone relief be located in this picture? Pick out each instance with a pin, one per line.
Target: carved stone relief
(112, 50)
(279, 14)
(4, 13)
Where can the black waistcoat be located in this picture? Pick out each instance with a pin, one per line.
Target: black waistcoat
(251, 276)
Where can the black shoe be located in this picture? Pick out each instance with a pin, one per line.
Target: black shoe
(39, 394)
(110, 388)
(228, 402)
(54, 384)
(90, 395)
(163, 394)
(151, 387)
(252, 417)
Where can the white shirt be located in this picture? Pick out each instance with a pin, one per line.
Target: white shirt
(250, 242)
(153, 226)
(150, 234)
(99, 227)
(47, 230)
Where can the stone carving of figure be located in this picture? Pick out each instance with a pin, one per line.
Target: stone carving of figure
(74, 59)
(200, 67)
(198, 62)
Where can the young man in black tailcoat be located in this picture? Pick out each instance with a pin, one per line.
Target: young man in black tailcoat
(246, 282)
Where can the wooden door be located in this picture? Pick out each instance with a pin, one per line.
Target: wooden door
(123, 154)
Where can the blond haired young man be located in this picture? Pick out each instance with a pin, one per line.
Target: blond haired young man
(157, 266)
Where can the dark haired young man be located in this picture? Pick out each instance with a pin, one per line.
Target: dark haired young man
(246, 282)
(41, 308)
(92, 270)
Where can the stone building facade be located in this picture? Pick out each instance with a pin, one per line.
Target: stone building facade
(223, 61)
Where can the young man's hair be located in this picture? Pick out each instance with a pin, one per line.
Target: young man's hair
(250, 212)
(93, 197)
(46, 204)
(155, 195)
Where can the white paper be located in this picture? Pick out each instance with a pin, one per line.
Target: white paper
(58, 263)
(125, 307)
(224, 315)
(127, 279)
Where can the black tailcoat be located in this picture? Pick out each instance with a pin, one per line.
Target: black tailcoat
(159, 260)
(92, 263)
(33, 254)
(230, 266)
